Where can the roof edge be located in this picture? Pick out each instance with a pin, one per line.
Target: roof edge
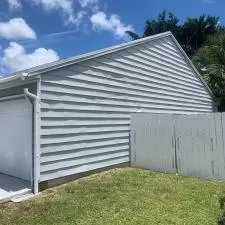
(90, 55)
(35, 71)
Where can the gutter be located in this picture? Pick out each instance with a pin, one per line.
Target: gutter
(35, 101)
(20, 76)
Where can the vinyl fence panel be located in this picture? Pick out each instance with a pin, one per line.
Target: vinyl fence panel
(194, 141)
(152, 142)
(191, 145)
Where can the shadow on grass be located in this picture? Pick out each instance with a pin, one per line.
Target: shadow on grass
(221, 220)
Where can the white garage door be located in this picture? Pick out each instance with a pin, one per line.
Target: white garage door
(16, 138)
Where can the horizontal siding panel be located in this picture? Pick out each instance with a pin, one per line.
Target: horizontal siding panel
(68, 104)
(169, 47)
(155, 48)
(62, 139)
(94, 108)
(144, 58)
(126, 108)
(158, 68)
(150, 48)
(53, 174)
(158, 56)
(113, 78)
(168, 41)
(84, 114)
(111, 88)
(110, 91)
(55, 103)
(86, 107)
(160, 59)
(163, 47)
(84, 129)
(55, 122)
(82, 160)
(64, 122)
(98, 80)
(144, 75)
(99, 112)
(49, 158)
(56, 148)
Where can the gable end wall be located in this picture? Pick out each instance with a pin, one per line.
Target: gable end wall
(85, 108)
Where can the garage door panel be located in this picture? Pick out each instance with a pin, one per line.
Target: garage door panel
(16, 138)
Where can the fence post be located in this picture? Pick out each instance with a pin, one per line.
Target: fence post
(175, 144)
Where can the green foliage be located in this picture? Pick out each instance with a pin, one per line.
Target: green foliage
(132, 35)
(195, 32)
(165, 22)
(210, 61)
(191, 34)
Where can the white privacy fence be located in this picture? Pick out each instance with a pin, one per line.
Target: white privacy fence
(190, 145)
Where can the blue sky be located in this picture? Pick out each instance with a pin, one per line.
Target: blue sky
(33, 32)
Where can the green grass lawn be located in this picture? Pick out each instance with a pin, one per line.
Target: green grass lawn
(122, 196)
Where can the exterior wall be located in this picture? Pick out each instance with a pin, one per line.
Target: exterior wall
(85, 108)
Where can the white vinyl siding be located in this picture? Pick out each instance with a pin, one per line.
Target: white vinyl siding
(85, 108)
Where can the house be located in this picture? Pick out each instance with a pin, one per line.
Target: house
(72, 116)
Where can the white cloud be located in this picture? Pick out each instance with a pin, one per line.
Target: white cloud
(14, 4)
(86, 3)
(63, 6)
(100, 21)
(87, 12)
(16, 28)
(16, 58)
(77, 20)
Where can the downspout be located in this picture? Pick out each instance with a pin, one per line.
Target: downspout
(36, 172)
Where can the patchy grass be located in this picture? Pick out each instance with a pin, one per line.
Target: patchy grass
(122, 196)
